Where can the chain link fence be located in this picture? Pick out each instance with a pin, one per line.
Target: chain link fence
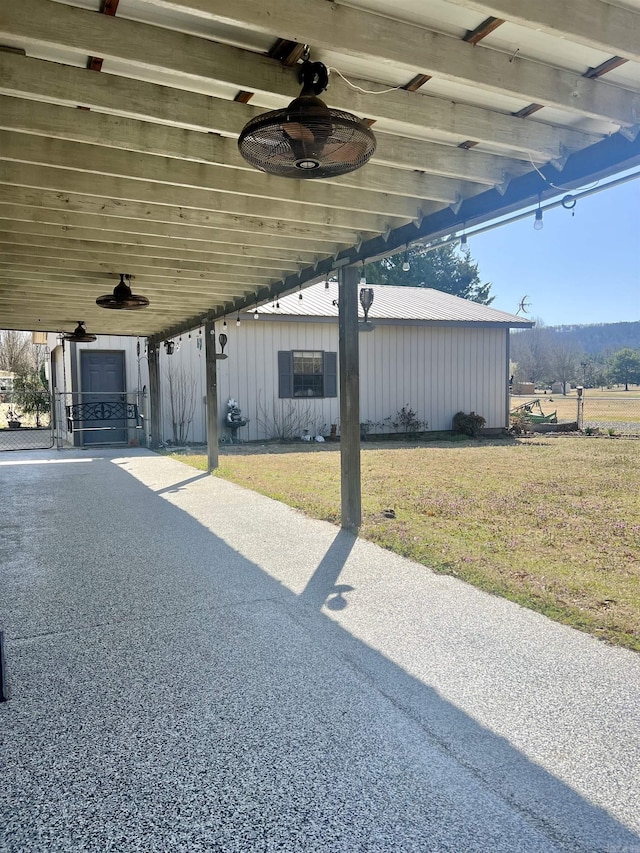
(24, 431)
(619, 413)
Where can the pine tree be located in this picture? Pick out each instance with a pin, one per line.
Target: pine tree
(442, 265)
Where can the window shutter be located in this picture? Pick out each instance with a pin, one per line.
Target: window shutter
(330, 374)
(285, 374)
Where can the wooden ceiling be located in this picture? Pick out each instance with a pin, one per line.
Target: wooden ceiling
(119, 125)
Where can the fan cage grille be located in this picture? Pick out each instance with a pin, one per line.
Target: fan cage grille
(329, 144)
(129, 303)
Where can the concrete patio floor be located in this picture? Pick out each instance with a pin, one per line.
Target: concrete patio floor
(195, 667)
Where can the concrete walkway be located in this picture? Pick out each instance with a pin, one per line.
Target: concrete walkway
(194, 667)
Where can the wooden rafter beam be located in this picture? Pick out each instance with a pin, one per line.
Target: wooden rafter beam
(47, 120)
(69, 203)
(24, 276)
(108, 7)
(596, 24)
(235, 189)
(122, 189)
(30, 218)
(166, 256)
(327, 25)
(446, 121)
(235, 246)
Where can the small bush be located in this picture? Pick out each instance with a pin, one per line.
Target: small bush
(407, 421)
(470, 424)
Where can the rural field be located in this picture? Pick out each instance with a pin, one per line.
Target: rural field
(612, 406)
(551, 522)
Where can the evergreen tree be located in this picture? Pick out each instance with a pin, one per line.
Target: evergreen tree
(441, 265)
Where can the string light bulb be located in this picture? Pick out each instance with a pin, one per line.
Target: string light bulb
(537, 222)
(463, 241)
(363, 276)
(406, 266)
(238, 319)
(300, 294)
(256, 316)
(224, 323)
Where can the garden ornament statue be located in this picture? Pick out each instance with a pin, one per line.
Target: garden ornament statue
(235, 420)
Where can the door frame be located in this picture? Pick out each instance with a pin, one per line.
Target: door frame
(87, 352)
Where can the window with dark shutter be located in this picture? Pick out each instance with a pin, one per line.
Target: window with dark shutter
(307, 373)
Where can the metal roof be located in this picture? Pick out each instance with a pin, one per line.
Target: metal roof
(119, 121)
(392, 303)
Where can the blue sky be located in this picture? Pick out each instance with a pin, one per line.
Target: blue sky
(577, 269)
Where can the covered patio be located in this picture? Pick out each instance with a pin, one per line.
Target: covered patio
(192, 666)
(188, 665)
(118, 152)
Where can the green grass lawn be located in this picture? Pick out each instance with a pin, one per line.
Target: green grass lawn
(550, 522)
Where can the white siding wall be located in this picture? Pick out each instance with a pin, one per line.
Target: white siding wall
(250, 374)
(434, 370)
(437, 371)
(190, 358)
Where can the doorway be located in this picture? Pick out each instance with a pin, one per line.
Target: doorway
(102, 382)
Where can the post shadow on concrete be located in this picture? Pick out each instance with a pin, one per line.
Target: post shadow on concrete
(321, 587)
(166, 690)
(176, 487)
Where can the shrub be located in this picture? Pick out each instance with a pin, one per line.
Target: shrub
(407, 421)
(468, 424)
(286, 420)
(370, 426)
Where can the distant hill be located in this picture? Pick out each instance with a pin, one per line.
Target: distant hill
(599, 338)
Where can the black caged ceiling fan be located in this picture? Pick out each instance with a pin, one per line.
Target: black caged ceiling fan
(307, 139)
(122, 298)
(79, 335)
